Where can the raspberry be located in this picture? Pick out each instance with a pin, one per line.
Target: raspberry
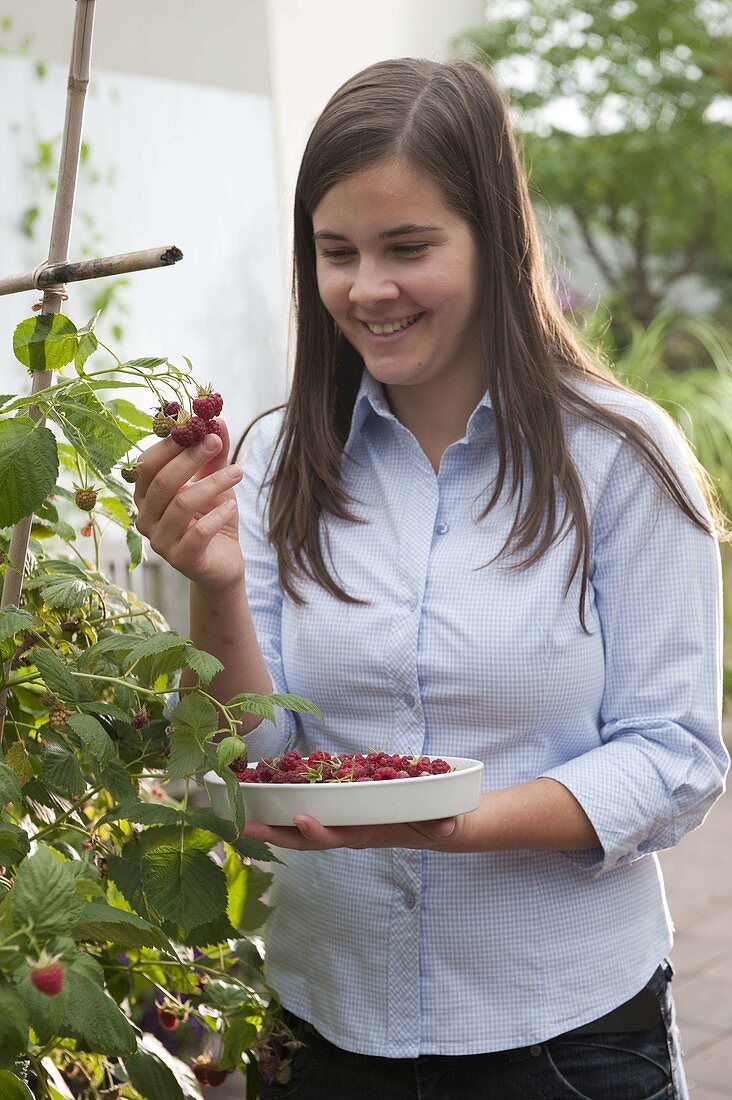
(171, 408)
(385, 773)
(57, 717)
(208, 404)
(161, 424)
(130, 473)
(208, 1074)
(87, 529)
(168, 1020)
(50, 699)
(47, 977)
(290, 762)
(440, 767)
(140, 719)
(213, 427)
(187, 430)
(85, 498)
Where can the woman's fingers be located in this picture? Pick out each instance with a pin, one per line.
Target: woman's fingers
(197, 538)
(192, 501)
(164, 472)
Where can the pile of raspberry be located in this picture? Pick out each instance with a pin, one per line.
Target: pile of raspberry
(322, 767)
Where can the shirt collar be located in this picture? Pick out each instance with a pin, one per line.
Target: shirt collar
(371, 398)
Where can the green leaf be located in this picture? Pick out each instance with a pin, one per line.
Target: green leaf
(203, 817)
(238, 1037)
(186, 755)
(145, 364)
(44, 895)
(14, 844)
(13, 1024)
(156, 643)
(151, 1077)
(93, 736)
(124, 872)
(131, 414)
(28, 468)
(144, 813)
(13, 620)
(87, 345)
(116, 779)
(90, 427)
(113, 507)
(46, 342)
(61, 772)
(104, 923)
(134, 545)
(66, 592)
(12, 1088)
(19, 763)
(55, 675)
(202, 663)
(196, 716)
(185, 887)
(230, 749)
(95, 1018)
(9, 787)
(295, 703)
(246, 884)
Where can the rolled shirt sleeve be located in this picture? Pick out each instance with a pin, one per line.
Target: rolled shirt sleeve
(656, 579)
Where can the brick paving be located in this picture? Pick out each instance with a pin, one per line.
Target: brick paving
(698, 876)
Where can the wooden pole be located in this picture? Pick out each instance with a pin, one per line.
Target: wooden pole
(57, 254)
(47, 274)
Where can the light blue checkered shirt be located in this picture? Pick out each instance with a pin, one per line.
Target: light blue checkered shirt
(398, 952)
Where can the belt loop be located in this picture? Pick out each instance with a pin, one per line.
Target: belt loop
(668, 969)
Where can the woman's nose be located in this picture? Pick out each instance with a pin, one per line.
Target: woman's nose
(372, 283)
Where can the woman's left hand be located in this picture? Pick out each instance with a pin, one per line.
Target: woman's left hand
(307, 834)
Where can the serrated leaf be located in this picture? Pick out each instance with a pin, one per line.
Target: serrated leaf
(55, 675)
(124, 872)
(156, 643)
(185, 887)
(113, 507)
(151, 1077)
(196, 716)
(9, 787)
(13, 620)
(205, 665)
(230, 749)
(61, 772)
(165, 836)
(93, 736)
(134, 545)
(108, 710)
(19, 763)
(206, 935)
(90, 428)
(46, 342)
(44, 895)
(103, 923)
(66, 592)
(131, 414)
(96, 1019)
(246, 884)
(117, 780)
(12, 1088)
(238, 1037)
(203, 817)
(295, 703)
(144, 813)
(14, 844)
(186, 755)
(28, 468)
(145, 364)
(86, 347)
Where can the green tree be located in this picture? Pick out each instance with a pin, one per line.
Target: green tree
(643, 162)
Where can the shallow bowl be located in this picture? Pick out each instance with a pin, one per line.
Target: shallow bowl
(383, 802)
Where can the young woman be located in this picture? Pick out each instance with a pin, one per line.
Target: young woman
(460, 537)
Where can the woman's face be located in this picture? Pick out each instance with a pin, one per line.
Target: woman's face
(390, 254)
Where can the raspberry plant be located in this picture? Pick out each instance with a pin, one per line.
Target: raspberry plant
(115, 898)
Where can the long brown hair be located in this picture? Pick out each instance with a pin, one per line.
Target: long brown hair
(450, 121)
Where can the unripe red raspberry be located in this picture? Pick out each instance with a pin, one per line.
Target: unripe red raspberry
(85, 498)
(208, 1074)
(50, 699)
(171, 408)
(130, 473)
(57, 717)
(161, 425)
(140, 719)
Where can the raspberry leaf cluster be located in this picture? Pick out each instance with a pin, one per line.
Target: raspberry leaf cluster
(125, 933)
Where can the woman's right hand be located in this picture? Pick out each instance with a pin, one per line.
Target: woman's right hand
(187, 509)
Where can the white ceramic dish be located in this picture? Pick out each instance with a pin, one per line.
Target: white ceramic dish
(384, 802)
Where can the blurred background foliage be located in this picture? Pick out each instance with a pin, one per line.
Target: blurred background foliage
(624, 111)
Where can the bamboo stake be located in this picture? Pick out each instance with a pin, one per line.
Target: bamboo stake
(57, 254)
(47, 275)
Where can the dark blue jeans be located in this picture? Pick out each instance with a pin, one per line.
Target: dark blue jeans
(642, 1065)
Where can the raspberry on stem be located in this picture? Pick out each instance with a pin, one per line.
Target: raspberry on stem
(47, 974)
(207, 404)
(187, 430)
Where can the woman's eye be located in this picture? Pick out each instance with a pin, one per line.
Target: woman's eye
(339, 255)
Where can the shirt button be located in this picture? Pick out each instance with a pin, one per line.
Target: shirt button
(412, 603)
(409, 700)
(442, 528)
(410, 899)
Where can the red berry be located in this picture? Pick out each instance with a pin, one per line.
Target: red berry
(208, 404)
(171, 408)
(208, 1075)
(140, 719)
(247, 775)
(187, 430)
(168, 1020)
(214, 427)
(48, 979)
